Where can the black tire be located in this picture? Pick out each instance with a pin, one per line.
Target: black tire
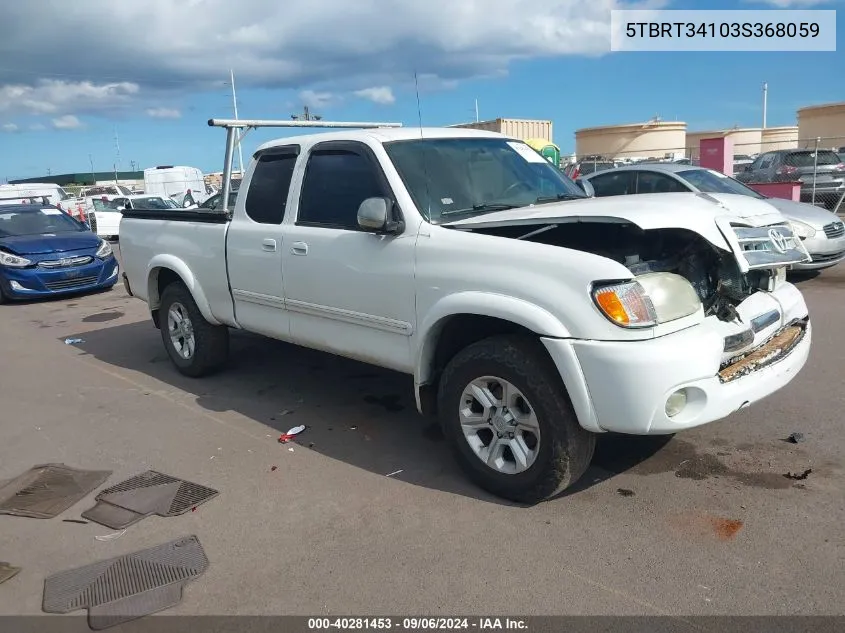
(566, 449)
(211, 348)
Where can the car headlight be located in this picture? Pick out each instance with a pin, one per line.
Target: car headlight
(104, 250)
(13, 261)
(802, 230)
(648, 300)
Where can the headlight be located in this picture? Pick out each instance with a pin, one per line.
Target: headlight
(104, 250)
(802, 230)
(13, 261)
(650, 299)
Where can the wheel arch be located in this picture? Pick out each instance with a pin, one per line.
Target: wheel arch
(165, 270)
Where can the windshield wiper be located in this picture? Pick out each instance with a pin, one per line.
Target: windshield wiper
(558, 198)
(480, 208)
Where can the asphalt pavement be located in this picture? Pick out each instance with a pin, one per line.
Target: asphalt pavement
(703, 523)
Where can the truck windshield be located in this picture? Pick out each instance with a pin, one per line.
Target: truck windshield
(14, 222)
(714, 182)
(452, 178)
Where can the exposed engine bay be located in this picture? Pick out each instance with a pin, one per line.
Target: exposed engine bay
(713, 273)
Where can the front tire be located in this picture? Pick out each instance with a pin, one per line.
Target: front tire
(510, 422)
(195, 346)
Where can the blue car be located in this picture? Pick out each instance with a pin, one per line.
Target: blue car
(45, 253)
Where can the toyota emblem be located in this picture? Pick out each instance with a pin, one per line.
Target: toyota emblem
(65, 261)
(778, 240)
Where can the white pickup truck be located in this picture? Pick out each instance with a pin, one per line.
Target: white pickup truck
(531, 317)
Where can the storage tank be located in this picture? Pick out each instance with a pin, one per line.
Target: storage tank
(774, 138)
(653, 139)
(745, 140)
(826, 121)
(522, 129)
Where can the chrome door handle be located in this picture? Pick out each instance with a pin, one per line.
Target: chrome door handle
(268, 245)
(299, 248)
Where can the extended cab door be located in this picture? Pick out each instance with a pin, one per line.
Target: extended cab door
(255, 243)
(348, 291)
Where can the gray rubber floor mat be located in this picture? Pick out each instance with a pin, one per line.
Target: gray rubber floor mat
(146, 494)
(127, 587)
(7, 572)
(47, 490)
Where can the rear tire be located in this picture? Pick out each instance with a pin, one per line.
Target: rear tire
(538, 447)
(195, 346)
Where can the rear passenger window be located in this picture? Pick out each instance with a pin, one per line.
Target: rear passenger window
(336, 183)
(615, 184)
(267, 197)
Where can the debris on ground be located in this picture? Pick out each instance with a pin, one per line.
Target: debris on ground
(795, 438)
(291, 450)
(7, 572)
(311, 445)
(79, 521)
(797, 476)
(74, 341)
(624, 492)
(284, 438)
(395, 472)
(285, 412)
(273, 469)
(353, 428)
(110, 537)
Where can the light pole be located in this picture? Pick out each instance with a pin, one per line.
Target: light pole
(765, 102)
(235, 107)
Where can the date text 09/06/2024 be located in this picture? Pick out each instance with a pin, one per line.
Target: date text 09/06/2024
(418, 623)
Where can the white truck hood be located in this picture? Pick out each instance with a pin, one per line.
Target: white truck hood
(753, 230)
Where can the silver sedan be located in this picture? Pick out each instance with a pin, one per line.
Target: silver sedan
(822, 232)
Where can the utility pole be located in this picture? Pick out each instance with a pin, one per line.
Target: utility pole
(238, 140)
(132, 163)
(476, 110)
(306, 115)
(91, 160)
(765, 102)
(116, 148)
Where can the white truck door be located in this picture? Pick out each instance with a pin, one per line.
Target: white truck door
(255, 242)
(348, 291)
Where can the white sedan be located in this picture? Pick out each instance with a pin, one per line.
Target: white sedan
(104, 219)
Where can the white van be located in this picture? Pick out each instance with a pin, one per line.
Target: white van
(26, 191)
(167, 181)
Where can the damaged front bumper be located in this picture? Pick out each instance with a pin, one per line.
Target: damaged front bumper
(627, 386)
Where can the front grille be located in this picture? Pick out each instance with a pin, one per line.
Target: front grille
(834, 229)
(67, 262)
(67, 284)
(830, 257)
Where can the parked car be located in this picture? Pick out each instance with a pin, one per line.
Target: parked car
(588, 166)
(104, 218)
(214, 201)
(741, 162)
(44, 252)
(799, 165)
(821, 232)
(531, 317)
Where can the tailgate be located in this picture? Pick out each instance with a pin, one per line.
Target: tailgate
(758, 247)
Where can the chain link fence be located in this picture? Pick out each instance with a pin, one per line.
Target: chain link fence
(813, 170)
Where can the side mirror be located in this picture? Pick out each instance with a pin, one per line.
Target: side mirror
(586, 187)
(376, 215)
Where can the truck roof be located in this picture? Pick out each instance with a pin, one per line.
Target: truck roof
(383, 135)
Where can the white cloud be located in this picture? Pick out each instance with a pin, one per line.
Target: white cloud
(381, 94)
(49, 96)
(67, 122)
(316, 99)
(279, 45)
(9, 128)
(163, 113)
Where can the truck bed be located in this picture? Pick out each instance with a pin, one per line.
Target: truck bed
(190, 242)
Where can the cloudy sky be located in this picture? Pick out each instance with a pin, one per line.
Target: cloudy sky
(74, 77)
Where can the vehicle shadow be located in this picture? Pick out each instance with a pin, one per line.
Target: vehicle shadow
(355, 413)
(801, 276)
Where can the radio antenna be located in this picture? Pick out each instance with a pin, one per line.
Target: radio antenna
(422, 148)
